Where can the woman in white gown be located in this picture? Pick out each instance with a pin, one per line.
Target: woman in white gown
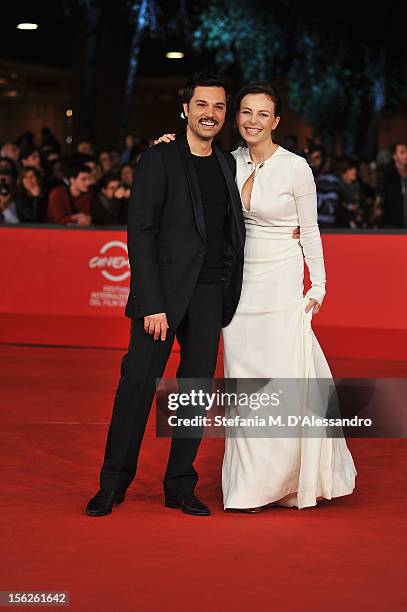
(270, 335)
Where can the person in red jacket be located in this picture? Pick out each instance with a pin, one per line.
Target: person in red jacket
(71, 204)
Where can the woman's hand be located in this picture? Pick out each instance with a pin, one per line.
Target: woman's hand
(34, 190)
(165, 138)
(314, 305)
(122, 192)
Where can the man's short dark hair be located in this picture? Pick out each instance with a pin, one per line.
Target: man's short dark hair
(344, 164)
(394, 145)
(203, 79)
(76, 169)
(12, 166)
(82, 158)
(106, 179)
(27, 151)
(318, 148)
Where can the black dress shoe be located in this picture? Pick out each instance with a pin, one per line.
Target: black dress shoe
(189, 504)
(103, 502)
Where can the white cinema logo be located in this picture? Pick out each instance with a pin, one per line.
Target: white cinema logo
(112, 262)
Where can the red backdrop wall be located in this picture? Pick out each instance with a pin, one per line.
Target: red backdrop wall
(69, 287)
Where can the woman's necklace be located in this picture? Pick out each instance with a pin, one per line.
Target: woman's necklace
(265, 156)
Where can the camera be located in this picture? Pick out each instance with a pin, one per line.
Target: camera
(4, 187)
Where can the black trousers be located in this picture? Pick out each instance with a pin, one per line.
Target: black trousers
(198, 337)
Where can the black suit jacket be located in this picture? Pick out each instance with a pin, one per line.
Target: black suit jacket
(392, 198)
(167, 238)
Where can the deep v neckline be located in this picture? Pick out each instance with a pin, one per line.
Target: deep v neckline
(251, 179)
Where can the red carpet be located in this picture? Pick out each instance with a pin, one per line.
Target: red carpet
(344, 555)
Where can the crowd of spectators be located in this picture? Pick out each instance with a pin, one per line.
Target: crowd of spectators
(358, 194)
(40, 185)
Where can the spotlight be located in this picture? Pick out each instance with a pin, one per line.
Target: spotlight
(69, 112)
(174, 55)
(27, 26)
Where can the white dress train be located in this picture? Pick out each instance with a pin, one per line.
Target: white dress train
(270, 336)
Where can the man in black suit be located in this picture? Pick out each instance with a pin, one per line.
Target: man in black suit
(185, 241)
(393, 188)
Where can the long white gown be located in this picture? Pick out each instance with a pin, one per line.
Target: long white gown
(270, 336)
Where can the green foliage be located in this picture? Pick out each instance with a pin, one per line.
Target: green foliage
(237, 36)
(340, 74)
